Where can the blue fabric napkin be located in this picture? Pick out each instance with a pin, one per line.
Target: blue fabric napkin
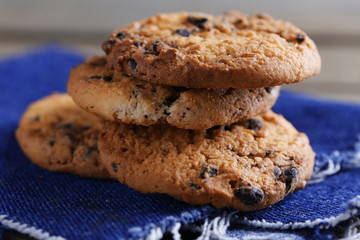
(50, 205)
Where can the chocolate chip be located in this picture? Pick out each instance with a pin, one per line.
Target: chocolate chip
(71, 137)
(208, 171)
(114, 167)
(268, 152)
(137, 43)
(124, 149)
(90, 150)
(107, 78)
(133, 64)
(155, 47)
(239, 21)
(35, 119)
(140, 86)
(254, 124)
(300, 38)
(289, 177)
(277, 172)
(121, 35)
(199, 22)
(195, 186)
(183, 32)
(249, 196)
(166, 112)
(51, 142)
(135, 93)
(85, 128)
(108, 45)
(146, 50)
(110, 42)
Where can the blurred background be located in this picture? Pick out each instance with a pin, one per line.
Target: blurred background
(334, 26)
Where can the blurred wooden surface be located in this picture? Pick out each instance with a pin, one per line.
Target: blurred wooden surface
(333, 25)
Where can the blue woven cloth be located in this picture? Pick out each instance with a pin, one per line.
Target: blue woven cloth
(50, 205)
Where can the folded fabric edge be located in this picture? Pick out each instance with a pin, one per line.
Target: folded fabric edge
(172, 224)
(217, 227)
(26, 229)
(352, 209)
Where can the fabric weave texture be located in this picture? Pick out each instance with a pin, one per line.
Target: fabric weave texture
(50, 205)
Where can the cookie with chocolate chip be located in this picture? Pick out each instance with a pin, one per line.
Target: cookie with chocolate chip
(248, 165)
(59, 136)
(198, 50)
(118, 97)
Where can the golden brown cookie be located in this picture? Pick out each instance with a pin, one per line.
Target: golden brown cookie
(248, 165)
(198, 50)
(59, 136)
(117, 97)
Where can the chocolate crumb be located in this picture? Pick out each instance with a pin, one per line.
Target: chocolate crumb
(208, 171)
(135, 93)
(277, 172)
(254, 124)
(199, 22)
(289, 176)
(137, 43)
(183, 32)
(107, 78)
(300, 38)
(195, 186)
(133, 64)
(114, 167)
(249, 195)
(121, 35)
(90, 150)
(51, 142)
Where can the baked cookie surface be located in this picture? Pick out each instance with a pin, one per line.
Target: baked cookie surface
(121, 98)
(198, 50)
(59, 136)
(248, 165)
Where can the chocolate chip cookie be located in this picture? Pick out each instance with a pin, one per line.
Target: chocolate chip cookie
(59, 136)
(118, 97)
(198, 50)
(248, 165)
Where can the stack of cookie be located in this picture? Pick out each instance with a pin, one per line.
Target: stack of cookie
(183, 103)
